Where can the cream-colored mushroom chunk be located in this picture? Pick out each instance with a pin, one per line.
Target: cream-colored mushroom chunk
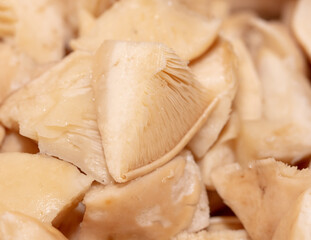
(300, 26)
(214, 235)
(14, 142)
(17, 226)
(38, 29)
(284, 132)
(148, 106)
(156, 206)
(261, 194)
(57, 110)
(295, 224)
(39, 186)
(162, 21)
(216, 72)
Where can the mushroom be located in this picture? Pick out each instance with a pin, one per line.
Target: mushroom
(216, 72)
(158, 205)
(40, 186)
(148, 106)
(295, 224)
(46, 111)
(285, 128)
(168, 22)
(17, 226)
(260, 194)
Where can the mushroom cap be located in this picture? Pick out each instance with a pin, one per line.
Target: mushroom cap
(46, 111)
(260, 194)
(39, 186)
(188, 33)
(216, 71)
(155, 206)
(148, 106)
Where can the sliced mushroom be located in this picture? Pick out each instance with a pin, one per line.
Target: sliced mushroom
(214, 235)
(148, 106)
(260, 194)
(156, 206)
(300, 24)
(221, 153)
(57, 110)
(39, 186)
(216, 72)
(14, 142)
(39, 30)
(18, 226)
(296, 222)
(162, 21)
(284, 132)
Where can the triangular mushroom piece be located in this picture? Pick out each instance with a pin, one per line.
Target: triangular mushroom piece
(39, 29)
(156, 206)
(162, 21)
(57, 110)
(18, 226)
(39, 186)
(148, 106)
(216, 72)
(296, 223)
(301, 26)
(260, 194)
(284, 132)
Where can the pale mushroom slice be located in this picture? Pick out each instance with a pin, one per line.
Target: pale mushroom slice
(221, 153)
(284, 132)
(295, 224)
(39, 30)
(148, 106)
(40, 186)
(57, 110)
(260, 194)
(14, 142)
(17, 226)
(168, 22)
(214, 235)
(216, 72)
(300, 26)
(158, 205)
